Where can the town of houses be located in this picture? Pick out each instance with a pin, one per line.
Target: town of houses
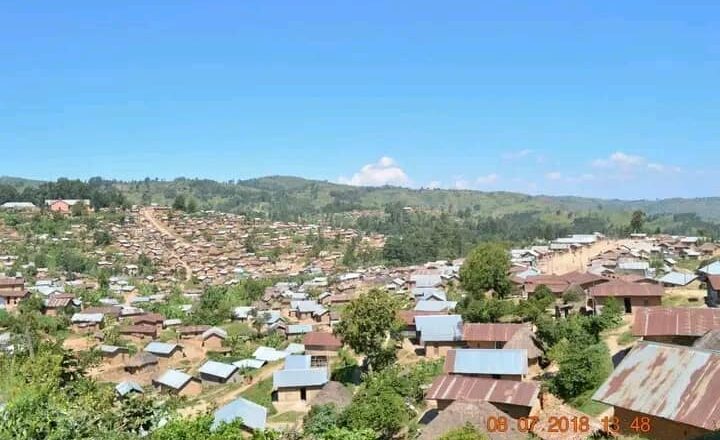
(489, 369)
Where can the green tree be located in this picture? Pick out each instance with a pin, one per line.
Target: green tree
(486, 268)
(370, 326)
(637, 221)
(192, 205)
(612, 314)
(379, 409)
(580, 368)
(179, 203)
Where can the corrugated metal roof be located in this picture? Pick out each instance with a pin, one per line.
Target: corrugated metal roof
(299, 329)
(624, 288)
(486, 361)
(439, 328)
(127, 386)
(174, 379)
(218, 369)
(295, 348)
(711, 269)
(677, 383)
(300, 378)
(87, 317)
(249, 363)
(675, 321)
(160, 348)
(678, 278)
(297, 362)
(217, 331)
(253, 416)
(488, 332)
(456, 387)
(435, 306)
(269, 354)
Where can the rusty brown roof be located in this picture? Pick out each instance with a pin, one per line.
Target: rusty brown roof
(714, 281)
(11, 282)
(677, 383)
(675, 321)
(14, 293)
(483, 332)
(455, 387)
(408, 316)
(138, 329)
(624, 288)
(321, 339)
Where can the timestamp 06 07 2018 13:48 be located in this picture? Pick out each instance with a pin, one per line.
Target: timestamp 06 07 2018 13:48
(564, 424)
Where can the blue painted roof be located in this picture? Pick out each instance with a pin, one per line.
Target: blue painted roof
(439, 328)
(174, 379)
(218, 369)
(253, 416)
(127, 386)
(160, 348)
(711, 269)
(678, 278)
(490, 361)
(297, 362)
(297, 329)
(300, 378)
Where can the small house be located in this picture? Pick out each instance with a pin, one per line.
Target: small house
(489, 363)
(178, 383)
(213, 338)
(252, 416)
(214, 373)
(439, 333)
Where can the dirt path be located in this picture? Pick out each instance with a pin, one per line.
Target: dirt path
(578, 260)
(230, 395)
(157, 224)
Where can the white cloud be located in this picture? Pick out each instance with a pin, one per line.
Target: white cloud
(620, 160)
(553, 175)
(515, 155)
(461, 183)
(383, 172)
(488, 180)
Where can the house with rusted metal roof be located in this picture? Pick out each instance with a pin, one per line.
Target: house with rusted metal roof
(489, 335)
(674, 325)
(519, 399)
(676, 388)
(628, 294)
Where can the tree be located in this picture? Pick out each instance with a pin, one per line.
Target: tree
(320, 420)
(486, 268)
(379, 409)
(179, 203)
(370, 326)
(78, 209)
(191, 205)
(637, 221)
(612, 314)
(580, 368)
(484, 309)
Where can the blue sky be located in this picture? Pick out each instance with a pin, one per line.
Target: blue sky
(609, 99)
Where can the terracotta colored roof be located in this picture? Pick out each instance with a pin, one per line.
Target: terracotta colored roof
(148, 317)
(321, 339)
(138, 329)
(58, 301)
(192, 329)
(455, 387)
(714, 281)
(623, 288)
(11, 282)
(675, 321)
(109, 310)
(490, 332)
(14, 293)
(584, 279)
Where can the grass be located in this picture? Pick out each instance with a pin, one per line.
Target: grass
(585, 404)
(237, 328)
(287, 417)
(261, 393)
(626, 338)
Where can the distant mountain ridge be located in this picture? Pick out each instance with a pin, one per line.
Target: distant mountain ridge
(300, 195)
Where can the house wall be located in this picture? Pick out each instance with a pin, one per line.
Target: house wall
(193, 388)
(514, 411)
(212, 342)
(675, 340)
(294, 394)
(213, 380)
(434, 350)
(515, 377)
(660, 429)
(635, 301)
(115, 359)
(483, 344)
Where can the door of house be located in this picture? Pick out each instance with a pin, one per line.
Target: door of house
(303, 394)
(628, 306)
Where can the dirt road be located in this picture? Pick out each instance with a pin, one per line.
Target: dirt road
(578, 260)
(149, 215)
